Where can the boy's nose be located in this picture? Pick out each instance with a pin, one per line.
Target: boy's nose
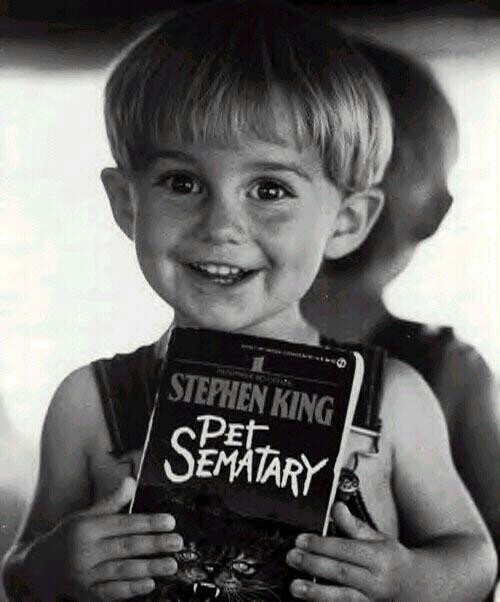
(223, 221)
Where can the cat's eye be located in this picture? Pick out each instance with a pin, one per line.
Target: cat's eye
(242, 567)
(187, 555)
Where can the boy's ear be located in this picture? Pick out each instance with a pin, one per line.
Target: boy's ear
(117, 188)
(355, 218)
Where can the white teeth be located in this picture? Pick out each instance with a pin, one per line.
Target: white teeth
(223, 270)
(207, 586)
(217, 269)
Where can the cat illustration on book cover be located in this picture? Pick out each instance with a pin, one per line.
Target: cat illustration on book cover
(226, 556)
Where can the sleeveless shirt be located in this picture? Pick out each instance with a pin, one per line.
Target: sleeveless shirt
(419, 345)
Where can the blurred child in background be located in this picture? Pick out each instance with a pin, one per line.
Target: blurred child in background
(346, 302)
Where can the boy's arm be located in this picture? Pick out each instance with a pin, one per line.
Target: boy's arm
(452, 557)
(67, 546)
(63, 484)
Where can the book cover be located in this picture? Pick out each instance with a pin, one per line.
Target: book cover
(244, 449)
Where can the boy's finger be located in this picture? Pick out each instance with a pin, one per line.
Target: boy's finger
(137, 546)
(133, 524)
(342, 573)
(116, 500)
(305, 590)
(351, 525)
(353, 551)
(123, 590)
(133, 569)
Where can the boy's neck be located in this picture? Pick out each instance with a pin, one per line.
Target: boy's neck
(345, 311)
(290, 326)
(294, 331)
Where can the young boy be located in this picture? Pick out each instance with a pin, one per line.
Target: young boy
(249, 140)
(417, 199)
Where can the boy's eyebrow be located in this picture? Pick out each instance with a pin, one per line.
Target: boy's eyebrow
(255, 165)
(167, 153)
(277, 166)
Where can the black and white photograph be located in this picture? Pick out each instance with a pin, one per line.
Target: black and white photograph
(339, 203)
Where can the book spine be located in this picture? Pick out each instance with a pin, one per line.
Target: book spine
(367, 412)
(353, 400)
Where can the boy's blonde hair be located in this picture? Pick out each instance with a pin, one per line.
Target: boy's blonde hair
(425, 136)
(212, 74)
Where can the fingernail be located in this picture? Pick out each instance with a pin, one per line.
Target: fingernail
(298, 588)
(302, 540)
(168, 522)
(294, 557)
(145, 587)
(170, 566)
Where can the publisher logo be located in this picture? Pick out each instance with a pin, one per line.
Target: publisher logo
(257, 363)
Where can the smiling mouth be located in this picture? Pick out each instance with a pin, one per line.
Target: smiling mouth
(221, 273)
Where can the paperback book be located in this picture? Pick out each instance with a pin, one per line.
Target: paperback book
(244, 448)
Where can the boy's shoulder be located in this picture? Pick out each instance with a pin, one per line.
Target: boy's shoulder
(101, 396)
(400, 380)
(409, 409)
(76, 406)
(81, 399)
(76, 394)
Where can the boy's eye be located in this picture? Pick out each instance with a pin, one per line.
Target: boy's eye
(180, 183)
(269, 190)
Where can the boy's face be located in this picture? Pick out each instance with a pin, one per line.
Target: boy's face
(232, 237)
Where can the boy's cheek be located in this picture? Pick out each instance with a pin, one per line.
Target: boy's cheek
(154, 239)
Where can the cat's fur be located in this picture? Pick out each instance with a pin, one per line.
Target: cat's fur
(226, 557)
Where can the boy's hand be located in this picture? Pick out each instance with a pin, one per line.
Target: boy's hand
(102, 555)
(369, 566)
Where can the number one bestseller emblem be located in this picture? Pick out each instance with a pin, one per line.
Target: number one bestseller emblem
(257, 363)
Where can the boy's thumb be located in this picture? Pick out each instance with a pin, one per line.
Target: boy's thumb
(114, 502)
